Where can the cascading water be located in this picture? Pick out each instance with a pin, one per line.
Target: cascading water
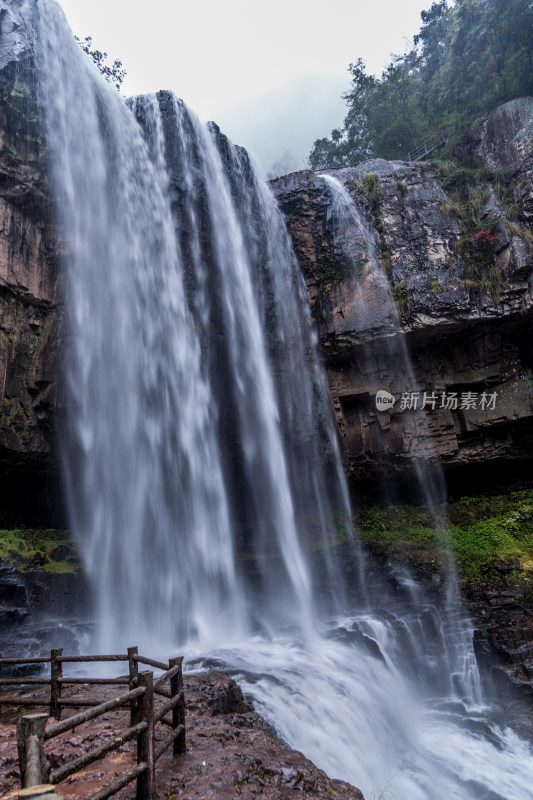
(369, 280)
(198, 418)
(178, 402)
(376, 310)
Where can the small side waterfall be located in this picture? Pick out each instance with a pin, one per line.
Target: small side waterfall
(376, 309)
(371, 282)
(201, 461)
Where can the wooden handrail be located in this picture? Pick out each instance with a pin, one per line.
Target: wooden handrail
(119, 783)
(57, 680)
(166, 707)
(145, 740)
(150, 662)
(56, 673)
(88, 659)
(94, 681)
(168, 740)
(167, 676)
(178, 712)
(32, 733)
(74, 702)
(25, 701)
(426, 148)
(96, 711)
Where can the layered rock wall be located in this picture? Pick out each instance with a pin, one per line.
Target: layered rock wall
(29, 288)
(466, 334)
(464, 309)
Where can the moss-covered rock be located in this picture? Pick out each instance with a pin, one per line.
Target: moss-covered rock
(489, 537)
(44, 550)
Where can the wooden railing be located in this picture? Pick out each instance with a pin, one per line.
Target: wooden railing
(426, 148)
(32, 732)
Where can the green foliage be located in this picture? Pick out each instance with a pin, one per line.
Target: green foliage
(374, 191)
(401, 188)
(48, 550)
(489, 531)
(400, 294)
(11, 412)
(114, 73)
(491, 537)
(469, 191)
(468, 56)
(329, 270)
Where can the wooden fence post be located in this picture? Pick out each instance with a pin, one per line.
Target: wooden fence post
(178, 712)
(34, 768)
(145, 740)
(134, 669)
(56, 672)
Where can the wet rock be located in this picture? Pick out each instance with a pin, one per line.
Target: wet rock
(225, 758)
(14, 606)
(227, 698)
(29, 288)
(506, 135)
(12, 588)
(460, 340)
(504, 632)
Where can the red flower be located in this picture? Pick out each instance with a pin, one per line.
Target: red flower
(485, 238)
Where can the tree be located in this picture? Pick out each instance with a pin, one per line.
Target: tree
(115, 73)
(468, 56)
(353, 142)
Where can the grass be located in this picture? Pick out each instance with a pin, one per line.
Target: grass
(469, 191)
(47, 550)
(490, 537)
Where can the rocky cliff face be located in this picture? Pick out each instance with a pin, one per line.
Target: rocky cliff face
(455, 245)
(464, 303)
(29, 327)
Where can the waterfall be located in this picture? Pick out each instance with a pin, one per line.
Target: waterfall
(201, 463)
(196, 406)
(353, 235)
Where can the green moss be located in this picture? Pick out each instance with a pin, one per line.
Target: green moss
(328, 270)
(401, 294)
(374, 190)
(490, 537)
(386, 264)
(401, 188)
(10, 413)
(470, 191)
(48, 550)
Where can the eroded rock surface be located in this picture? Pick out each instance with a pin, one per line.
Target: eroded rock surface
(464, 309)
(504, 631)
(29, 288)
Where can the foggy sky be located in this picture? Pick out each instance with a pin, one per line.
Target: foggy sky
(270, 74)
